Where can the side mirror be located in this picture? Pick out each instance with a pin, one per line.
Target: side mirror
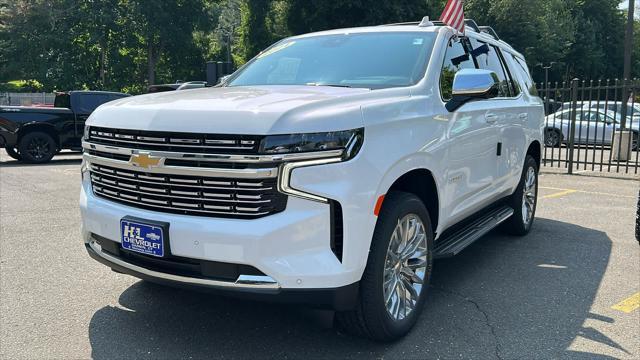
(472, 84)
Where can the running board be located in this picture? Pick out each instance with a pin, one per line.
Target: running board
(459, 240)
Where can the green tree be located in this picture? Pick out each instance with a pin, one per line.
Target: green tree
(253, 30)
(316, 15)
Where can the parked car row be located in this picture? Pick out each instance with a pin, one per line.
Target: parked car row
(595, 123)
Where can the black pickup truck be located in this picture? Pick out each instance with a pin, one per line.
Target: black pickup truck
(36, 134)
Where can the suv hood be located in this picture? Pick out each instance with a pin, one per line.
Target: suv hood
(258, 110)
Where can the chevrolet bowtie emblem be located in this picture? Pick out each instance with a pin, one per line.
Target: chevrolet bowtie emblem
(144, 160)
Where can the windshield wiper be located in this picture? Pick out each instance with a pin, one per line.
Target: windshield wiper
(332, 85)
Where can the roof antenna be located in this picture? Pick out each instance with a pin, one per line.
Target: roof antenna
(425, 22)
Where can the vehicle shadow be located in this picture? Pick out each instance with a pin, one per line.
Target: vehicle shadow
(503, 297)
(66, 159)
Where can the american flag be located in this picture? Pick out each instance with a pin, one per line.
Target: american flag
(453, 15)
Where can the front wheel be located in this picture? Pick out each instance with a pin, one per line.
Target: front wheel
(396, 278)
(524, 200)
(37, 147)
(13, 153)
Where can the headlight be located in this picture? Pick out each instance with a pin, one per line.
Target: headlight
(85, 135)
(349, 140)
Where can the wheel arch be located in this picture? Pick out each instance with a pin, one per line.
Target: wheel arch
(421, 183)
(46, 128)
(535, 150)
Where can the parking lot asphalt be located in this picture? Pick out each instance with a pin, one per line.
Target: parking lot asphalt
(557, 293)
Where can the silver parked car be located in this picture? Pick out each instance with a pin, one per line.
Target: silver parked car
(633, 110)
(592, 127)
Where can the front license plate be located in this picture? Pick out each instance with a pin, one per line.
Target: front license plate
(142, 238)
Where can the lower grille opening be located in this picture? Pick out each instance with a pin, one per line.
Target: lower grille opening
(337, 232)
(176, 265)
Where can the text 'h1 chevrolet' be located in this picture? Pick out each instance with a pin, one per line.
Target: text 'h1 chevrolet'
(330, 170)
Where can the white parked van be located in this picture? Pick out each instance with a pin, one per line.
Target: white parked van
(329, 170)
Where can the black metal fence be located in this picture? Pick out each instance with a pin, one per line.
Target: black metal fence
(592, 125)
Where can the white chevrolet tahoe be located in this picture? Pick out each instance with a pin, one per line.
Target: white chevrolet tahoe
(330, 170)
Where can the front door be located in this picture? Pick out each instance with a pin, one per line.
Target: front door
(472, 137)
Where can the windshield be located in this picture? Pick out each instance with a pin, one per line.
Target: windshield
(364, 60)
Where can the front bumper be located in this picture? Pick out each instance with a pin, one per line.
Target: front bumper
(340, 299)
(7, 138)
(292, 247)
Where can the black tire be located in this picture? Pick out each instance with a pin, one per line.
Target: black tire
(552, 137)
(37, 147)
(634, 142)
(13, 153)
(370, 318)
(516, 224)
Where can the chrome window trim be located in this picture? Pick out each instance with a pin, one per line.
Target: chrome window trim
(238, 158)
(183, 170)
(242, 282)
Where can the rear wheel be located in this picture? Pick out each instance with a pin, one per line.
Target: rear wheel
(394, 284)
(552, 137)
(524, 200)
(13, 152)
(37, 147)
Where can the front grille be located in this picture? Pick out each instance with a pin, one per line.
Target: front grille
(188, 195)
(175, 142)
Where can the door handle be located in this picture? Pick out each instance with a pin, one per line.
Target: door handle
(523, 116)
(491, 118)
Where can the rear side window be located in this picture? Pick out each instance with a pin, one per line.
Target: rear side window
(521, 67)
(455, 59)
(488, 58)
(62, 101)
(89, 102)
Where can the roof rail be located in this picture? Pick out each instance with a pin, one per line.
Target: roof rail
(434, 22)
(402, 23)
(489, 30)
(472, 24)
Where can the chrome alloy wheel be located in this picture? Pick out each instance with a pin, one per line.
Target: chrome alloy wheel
(405, 267)
(529, 196)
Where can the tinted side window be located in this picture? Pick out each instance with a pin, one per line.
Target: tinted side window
(115, 97)
(455, 59)
(565, 115)
(515, 88)
(62, 101)
(521, 66)
(488, 59)
(89, 102)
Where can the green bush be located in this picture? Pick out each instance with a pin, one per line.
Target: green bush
(22, 86)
